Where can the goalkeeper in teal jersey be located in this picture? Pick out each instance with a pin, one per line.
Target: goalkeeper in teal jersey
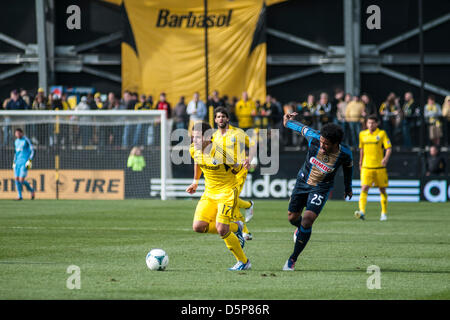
(24, 154)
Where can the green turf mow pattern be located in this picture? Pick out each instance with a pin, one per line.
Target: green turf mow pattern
(109, 241)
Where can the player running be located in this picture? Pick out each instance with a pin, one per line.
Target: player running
(372, 164)
(215, 212)
(24, 154)
(315, 179)
(234, 141)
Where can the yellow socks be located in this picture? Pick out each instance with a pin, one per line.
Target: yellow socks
(383, 201)
(243, 204)
(362, 201)
(233, 244)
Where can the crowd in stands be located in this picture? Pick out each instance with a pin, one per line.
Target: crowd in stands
(399, 116)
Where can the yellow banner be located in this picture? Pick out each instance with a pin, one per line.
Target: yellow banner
(164, 49)
(73, 184)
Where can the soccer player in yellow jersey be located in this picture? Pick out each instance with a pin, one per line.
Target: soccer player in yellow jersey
(215, 212)
(234, 141)
(375, 151)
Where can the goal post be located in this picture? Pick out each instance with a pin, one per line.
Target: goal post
(92, 154)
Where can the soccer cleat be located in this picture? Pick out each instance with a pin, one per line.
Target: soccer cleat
(289, 265)
(247, 236)
(241, 266)
(249, 212)
(33, 194)
(239, 233)
(383, 217)
(18, 199)
(360, 215)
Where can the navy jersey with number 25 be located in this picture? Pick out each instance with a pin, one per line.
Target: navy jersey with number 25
(316, 177)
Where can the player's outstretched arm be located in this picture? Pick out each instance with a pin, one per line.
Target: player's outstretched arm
(287, 117)
(307, 132)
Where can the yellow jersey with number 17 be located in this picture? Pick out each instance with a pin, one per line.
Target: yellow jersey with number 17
(219, 176)
(373, 145)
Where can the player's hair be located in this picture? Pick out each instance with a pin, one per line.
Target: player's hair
(221, 110)
(332, 132)
(201, 126)
(20, 130)
(372, 117)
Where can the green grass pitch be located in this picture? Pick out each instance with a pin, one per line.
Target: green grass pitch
(109, 240)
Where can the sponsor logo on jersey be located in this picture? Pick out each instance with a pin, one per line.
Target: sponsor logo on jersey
(322, 166)
(204, 166)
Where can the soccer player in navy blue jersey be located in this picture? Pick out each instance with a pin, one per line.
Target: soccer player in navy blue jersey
(315, 179)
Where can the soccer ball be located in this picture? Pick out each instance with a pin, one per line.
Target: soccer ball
(157, 259)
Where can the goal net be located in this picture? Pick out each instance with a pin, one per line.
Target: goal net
(101, 155)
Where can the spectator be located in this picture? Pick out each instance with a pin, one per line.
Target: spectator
(143, 103)
(340, 115)
(324, 110)
(39, 132)
(56, 103)
(16, 102)
(162, 104)
(264, 112)
(408, 112)
(244, 110)
(214, 101)
(446, 115)
(273, 112)
(432, 112)
(25, 96)
(85, 130)
(39, 103)
(110, 102)
(98, 103)
(128, 102)
(180, 114)
(41, 94)
(256, 115)
(307, 111)
(354, 116)
(83, 105)
(63, 129)
(150, 101)
(435, 164)
(65, 104)
(388, 110)
(370, 107)
(196, 109)
(339, 96)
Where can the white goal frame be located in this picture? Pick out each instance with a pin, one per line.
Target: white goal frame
(98, 113)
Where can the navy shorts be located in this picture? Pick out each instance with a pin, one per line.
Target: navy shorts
(312, 198)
